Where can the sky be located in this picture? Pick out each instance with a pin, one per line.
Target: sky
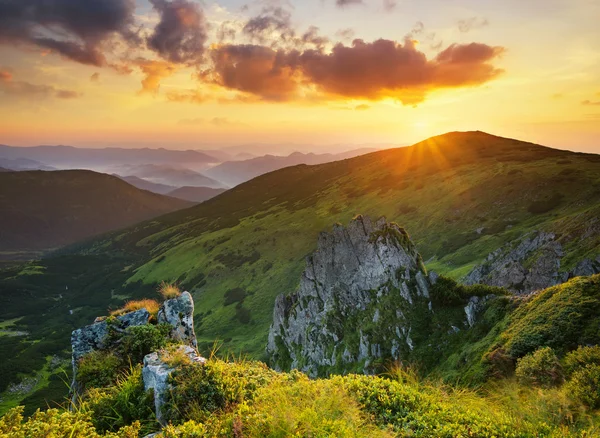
(186, 73)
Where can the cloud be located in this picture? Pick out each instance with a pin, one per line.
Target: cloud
(590, 103)
(362, 107)
(154, 72)
(95, 77)
(469, 24)
(344, 3)
(191, 122)
(389, 5)
(346, 34)
(10, 87)
(77, 30)
(371, 71)
(272, 21)
(181, 33)
(218, 122)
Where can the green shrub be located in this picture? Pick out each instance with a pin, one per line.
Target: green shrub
(233, 296)
(584, 385)
(447, 291)
(138, 341)
(123, 404)
(98, 369)
(580, 358)
(541, 368)
(56, 423)
(545, 205)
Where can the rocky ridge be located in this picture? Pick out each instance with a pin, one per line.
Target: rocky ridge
(355, 303)
(529, 264)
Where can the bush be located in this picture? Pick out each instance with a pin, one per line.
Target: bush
(580, 358)
(169, 290)
(541, 368)
(236, 295)
(55, 423)
(584, 385)
(138, 341)
(545, 205)
(122, 405)
(98, 369)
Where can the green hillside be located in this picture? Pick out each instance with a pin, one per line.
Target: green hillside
(46, 210)
(238, 251)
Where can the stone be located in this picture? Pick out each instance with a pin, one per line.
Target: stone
(179, 312)
(156, 373)
(528, 264)
(368, 271)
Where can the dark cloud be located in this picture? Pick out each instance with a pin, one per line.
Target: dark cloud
(312, 36)
(77, 30)
(181, 34)
(469, 24)
(10, 87)
(273, 21)
(370, 71)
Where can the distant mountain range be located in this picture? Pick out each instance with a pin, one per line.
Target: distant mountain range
(187, 193)
(164, 174)
(233, 173)
(23, 164)
(46, 210)
(72, 157)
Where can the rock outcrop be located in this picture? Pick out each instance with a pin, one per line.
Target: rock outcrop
(156, 373)
(354, 302)
(529, 264)
(179, 313)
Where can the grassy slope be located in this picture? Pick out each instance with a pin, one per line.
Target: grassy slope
(256, 236)
(44, 210)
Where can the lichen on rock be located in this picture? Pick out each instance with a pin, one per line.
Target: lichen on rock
(352, 306)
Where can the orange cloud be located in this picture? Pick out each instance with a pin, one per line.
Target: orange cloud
(371, 71)
(155, 72)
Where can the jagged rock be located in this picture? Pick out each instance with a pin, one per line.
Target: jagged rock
(474, 307)
(528, 264)
(156, 374)
(365, 275)
(179, 312)
(93, 337)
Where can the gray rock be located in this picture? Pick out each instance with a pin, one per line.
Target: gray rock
(474, 308)
(353, 271)
(179, 312)
(529, 264)
(156, 373)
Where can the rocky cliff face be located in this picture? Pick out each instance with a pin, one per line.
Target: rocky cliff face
(529, 264)
(354, 303)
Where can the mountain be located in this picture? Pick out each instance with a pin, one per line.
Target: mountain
(464, 199)
(161, 189)
(2, 169)
(164, 174)
(73, 157)
(46, 210)
(23, 164)
(195, 194)
(233, 173)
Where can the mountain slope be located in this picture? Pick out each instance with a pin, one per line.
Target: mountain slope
(195, 194)
(44, 210)
(237, 172)
(135, 181)
(176, 176)
(460, 196)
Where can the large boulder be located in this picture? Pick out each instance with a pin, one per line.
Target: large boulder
(179, 313)
(156, 373)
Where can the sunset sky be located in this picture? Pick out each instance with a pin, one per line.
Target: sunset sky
(186, 73)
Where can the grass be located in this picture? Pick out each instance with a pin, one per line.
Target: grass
(169, 290)
(152, 306)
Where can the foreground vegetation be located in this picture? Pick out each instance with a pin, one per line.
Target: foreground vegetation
(242, 398)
